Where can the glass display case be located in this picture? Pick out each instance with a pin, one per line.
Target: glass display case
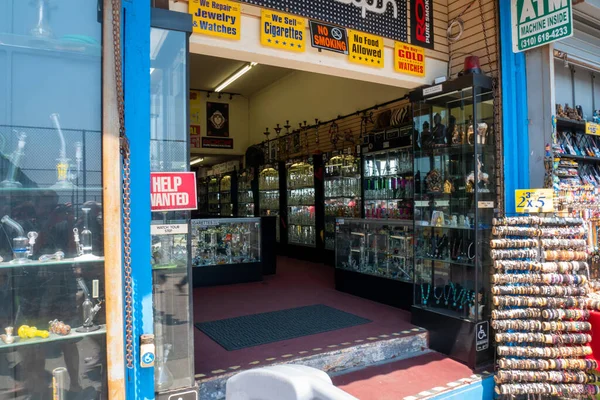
(301, 203)
(226, 196)
(52, 286)
(389, 183)
(454, 206)
(246, 193)
(226, 250)
(202, 196)
(268, 193)
(214, 205)
(342, 191)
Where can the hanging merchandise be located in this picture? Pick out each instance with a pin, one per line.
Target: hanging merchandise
(540, 315)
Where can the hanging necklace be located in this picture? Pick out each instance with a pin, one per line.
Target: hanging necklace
(425, 297)
(436, 297)
(447, 295)
(462, 299)
(455, 298)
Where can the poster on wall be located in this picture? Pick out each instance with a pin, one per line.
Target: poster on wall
(282, 31)
(387, 18)
(421, 23)
(195, 115)
(221, 18)
(217, 143)
(217, 119)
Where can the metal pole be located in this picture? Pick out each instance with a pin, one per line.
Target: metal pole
(111, 191)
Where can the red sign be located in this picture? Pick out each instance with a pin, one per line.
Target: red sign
(173, 191)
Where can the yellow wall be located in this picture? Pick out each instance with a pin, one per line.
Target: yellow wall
(303, 96)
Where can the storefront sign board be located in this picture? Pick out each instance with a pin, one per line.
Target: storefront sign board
(409, 59)
(539, 22)
(365, 49)
(421, 23)
(387, 18)
(171, 191)
(534, 200)
(328, 37)
(217, 143)
(221, 18)
(282, 31)
(592, 128)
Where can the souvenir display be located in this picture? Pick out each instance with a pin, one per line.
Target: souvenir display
(225, 241)
(342, 191)
(301, 203)
(540, 318)
(246, 193)
(389, 184)
(380, 248)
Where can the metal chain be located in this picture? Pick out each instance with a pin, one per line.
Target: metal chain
(126, 189)
(497, 130)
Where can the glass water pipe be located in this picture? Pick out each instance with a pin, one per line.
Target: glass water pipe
(15, 163)
(22, 245)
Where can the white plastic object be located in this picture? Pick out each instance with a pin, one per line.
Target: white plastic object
(284, 382)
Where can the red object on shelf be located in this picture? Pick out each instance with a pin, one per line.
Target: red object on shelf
(595, 343)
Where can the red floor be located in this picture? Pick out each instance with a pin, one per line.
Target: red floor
(297, 283)
(397, 380)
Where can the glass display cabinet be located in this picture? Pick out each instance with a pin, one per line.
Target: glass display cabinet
(202, 196)
(214, 205)
(389, 183)
(301, 203)
(52, 286)
(454, 206)
(226, 196)
(374, 259)
(227, 251)
(246, 193)
(342, 191)
(268, 193)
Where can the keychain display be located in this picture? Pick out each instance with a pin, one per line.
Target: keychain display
(539, 293)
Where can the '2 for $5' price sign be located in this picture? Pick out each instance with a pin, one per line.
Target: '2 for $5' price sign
(534, 200)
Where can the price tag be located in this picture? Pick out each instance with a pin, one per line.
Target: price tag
(534, 200)
(592, 128)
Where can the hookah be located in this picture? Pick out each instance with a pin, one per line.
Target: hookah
(375, 255)
(22, 245)
(83, 240)
(62, 166)
(42, 30)
(363, 261)
(89, 308)
(162, 375)
(351, 262)
(15, 162)
(229, 252)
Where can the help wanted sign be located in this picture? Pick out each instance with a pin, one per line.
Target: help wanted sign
(173, 191)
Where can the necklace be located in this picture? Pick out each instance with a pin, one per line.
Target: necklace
(425, 297)
(462, 299)
(447, 296)
(436, 297)
(455, 298)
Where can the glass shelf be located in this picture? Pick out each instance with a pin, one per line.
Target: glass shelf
(52, 338)
(60, 47)
(445, 261)
(66, 261)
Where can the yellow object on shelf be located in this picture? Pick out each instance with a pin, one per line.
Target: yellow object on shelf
(29, 332)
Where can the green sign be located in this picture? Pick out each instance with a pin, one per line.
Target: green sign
(539, 22)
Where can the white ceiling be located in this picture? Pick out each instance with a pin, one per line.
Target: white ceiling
(207, 72)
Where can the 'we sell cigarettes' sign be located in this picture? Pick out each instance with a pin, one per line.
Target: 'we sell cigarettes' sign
(171, 191)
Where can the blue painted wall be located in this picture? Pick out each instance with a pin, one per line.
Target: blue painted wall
(514, 112)
(483, 390)
(136, 39)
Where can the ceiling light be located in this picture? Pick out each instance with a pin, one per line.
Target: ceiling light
(234, 77)
(197, 161)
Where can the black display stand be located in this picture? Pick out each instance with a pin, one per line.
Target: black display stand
(382, 290)
(227, 274)
(268, 245)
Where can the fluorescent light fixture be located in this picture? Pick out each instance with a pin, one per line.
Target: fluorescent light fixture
(235, 77)
(197, 161)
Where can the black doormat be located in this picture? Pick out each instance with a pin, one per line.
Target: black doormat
(254, 330)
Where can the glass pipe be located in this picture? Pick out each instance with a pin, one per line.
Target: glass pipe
(42, 30)
(22, 245)
(29, 332)
(59, 255)
(15, 163)
(62, 162)
(89, 309)
(9, 338)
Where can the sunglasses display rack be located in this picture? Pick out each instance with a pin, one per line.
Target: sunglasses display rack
(540, 318)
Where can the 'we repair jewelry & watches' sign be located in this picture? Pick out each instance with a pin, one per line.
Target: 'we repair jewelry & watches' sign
(386, 18)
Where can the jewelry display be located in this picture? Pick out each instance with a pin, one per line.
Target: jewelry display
(541, 317)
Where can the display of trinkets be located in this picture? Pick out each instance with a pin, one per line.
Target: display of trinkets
(374, 247)
(59, 327)
(540, 317)
(245, 193)
(225, 241)
(301, 203)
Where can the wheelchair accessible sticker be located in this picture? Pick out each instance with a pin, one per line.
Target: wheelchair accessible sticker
(482, 336)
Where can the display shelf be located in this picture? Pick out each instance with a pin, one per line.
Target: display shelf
(71, 189)
(58, 47)
(52, 338)
(300, 187)
(570, 125)
(462, 149)
(576, 157)
(444, 311)
(463, 228)
(66, 261)
(446, 261)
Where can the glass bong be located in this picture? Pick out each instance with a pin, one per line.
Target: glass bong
(42, 30)
(22, 245)
(15, 163)
(83, 240)
(89, 309)
(63, 163)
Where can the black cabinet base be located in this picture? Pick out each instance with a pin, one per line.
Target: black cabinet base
(454, 337)
(383, 290)
(227, 274)
(304, 253)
